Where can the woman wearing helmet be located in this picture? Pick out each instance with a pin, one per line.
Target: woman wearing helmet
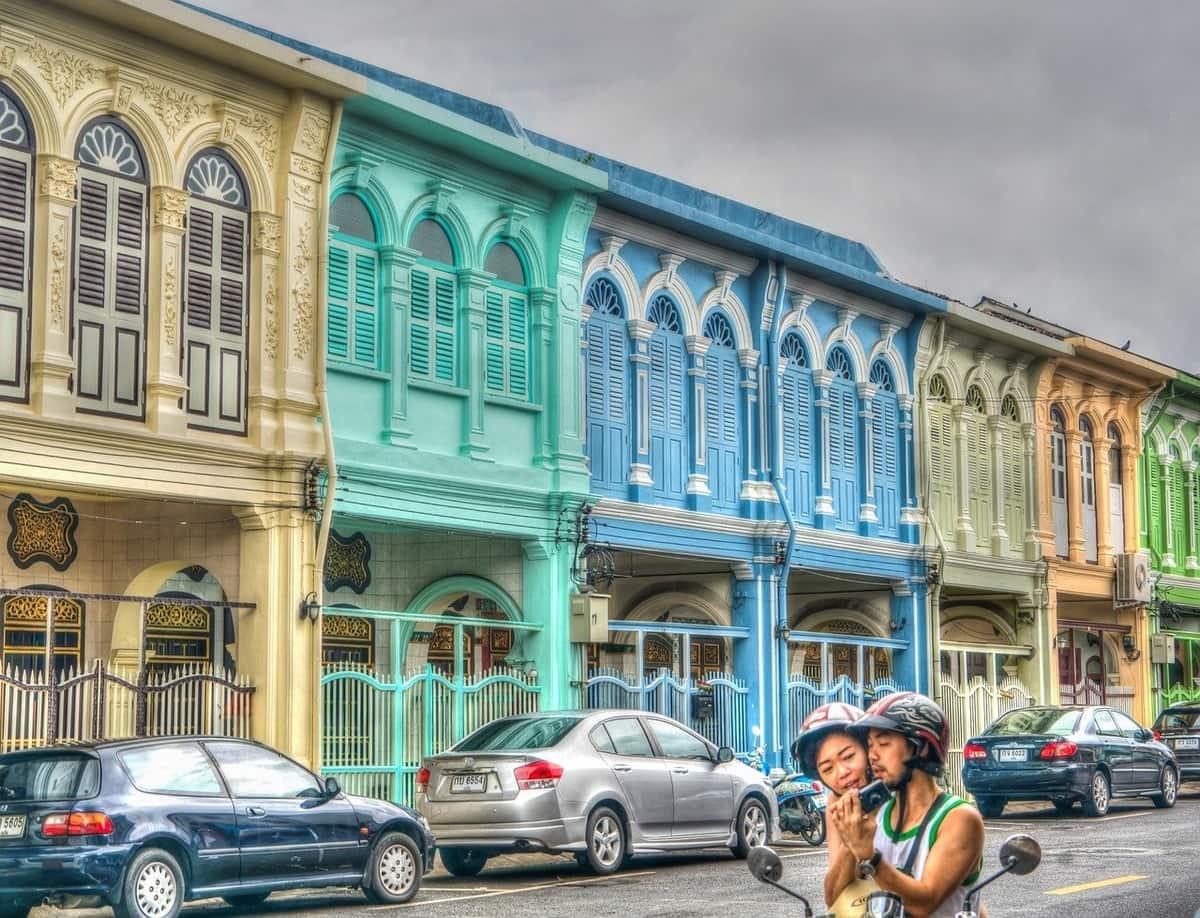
(826, 749)
(927, 845)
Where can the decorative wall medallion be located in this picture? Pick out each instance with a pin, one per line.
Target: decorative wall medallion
(170, 293)
(170, 207)
(123, 97)
(65, 73)
(314, 133)
(266, 233)
(58, 177)
(347, 562)
(8, 54)
(42, 532)
(177, 617)
(58, 275)
(271, 316)
(265, 132)
(304, 191)
(174, 106)
(302, 294)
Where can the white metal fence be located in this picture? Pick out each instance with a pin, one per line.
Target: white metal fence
(970, 708)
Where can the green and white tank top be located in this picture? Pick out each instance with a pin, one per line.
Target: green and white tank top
(897, 846)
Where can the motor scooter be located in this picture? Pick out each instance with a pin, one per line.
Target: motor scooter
(801, 799)
(1020, 854)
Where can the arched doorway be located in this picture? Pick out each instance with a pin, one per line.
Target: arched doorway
(853, 658)
(185, 635)
(977, 643)
(484, 647)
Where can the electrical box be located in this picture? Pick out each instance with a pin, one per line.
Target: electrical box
(1162, 648)
(589, 618)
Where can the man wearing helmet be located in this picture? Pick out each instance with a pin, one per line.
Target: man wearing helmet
(926, 845)
(826, 749)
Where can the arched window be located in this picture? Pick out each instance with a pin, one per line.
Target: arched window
(942, 464)
(1116, 490)
(433, 318)
(1058, 481)
(354, 318)
(979, 465)
(885, 449)
(668, 401)
(796, 405)
(722, 413)
(111, 230)
(607, 389)
(842, 445)
(347, 640)
(216, 287)
(1012, 454)
(507, 327)
(24, 620)
(16, 226)
(1087, 472)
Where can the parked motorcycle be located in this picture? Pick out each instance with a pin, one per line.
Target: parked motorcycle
(801, 799)
(1020, 854)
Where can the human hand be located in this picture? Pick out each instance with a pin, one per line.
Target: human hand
(856, 828)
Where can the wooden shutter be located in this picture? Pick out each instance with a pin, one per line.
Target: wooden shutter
(216, 288)
(16, 209)
(432, 324)
(885, 435)
(721, 428)
(843, 469)
(607, 443)
(668, 431)
(420, 331)
(494, 347)
(1178, 515)
(942, 466)
(796, 397)
(445, 303)
(1058, 492)
(1157, 523)
(979, 476)
(338, 337)
(518, 346)
(366, 309)
(1013, 453)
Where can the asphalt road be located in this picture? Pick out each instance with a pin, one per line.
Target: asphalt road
(1137, 861)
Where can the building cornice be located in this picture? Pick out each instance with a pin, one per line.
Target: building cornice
(611, 221)
(802, 285)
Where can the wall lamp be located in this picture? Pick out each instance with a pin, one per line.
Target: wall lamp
(310, 608)
(1131, 652)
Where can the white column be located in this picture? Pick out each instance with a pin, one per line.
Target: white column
(867, 512)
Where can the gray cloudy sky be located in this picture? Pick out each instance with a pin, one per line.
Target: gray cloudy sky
(1042, 153)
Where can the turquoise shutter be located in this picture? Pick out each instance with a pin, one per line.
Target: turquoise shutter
(419, 323)
(338, 344)
(518, 346)
(366, 269)
(446, 296)
(494, 347)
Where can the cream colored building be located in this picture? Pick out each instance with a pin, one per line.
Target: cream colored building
(162, 182)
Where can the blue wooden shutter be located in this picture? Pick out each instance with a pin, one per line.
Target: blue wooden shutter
(607, 443)
(721, 428)
(796, 395)
(668, 416)
(885, 436)
(842, 453)
(15, 221)
(338, 343)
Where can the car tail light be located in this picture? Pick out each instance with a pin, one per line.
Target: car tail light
(817, 788)
(1157, 735)
(57, 825)
(1063, 749)
(422, 780)
(538, 775)
(973, 752)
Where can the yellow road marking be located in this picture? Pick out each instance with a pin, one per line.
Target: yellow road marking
(1124, 816)
(1098, 884)
(511, 892)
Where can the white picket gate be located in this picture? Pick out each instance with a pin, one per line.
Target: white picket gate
(970, 709)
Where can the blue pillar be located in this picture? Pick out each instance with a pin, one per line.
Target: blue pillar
(754, 656)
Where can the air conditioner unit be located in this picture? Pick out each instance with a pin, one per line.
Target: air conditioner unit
(589, 618)
(1133, 579)
(1162, 648)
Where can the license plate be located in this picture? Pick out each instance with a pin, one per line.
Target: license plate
(468, 784)
(1012, 755)
(12, 826)
(1191, 742)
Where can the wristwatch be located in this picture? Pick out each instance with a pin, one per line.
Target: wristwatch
(867, 868)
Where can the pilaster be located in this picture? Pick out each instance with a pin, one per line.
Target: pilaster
(1168, 557)
(823, 511)
(1104, 534)
(639, 466)
(268, 312)
(395, 264)
(165, 386)
(699, 496)
(1189, 474)
(50, 363)
(999, 534)
(546, 575)
(1033, 486)
(964, 530)
(472, 316)
(868, 511)
(910, 513)
(1076, 549)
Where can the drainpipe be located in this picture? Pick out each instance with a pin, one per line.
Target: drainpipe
(322, 375)
(776, 415)
(935, 598)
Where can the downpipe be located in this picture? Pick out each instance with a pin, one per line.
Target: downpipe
(782, 702)
(923, 485)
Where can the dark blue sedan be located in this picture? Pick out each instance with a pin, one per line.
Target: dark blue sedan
(1065, 754)
(145, 825)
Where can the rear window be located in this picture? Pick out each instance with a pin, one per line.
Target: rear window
(518, 734)
(1186, 719)
(53, 776)
(171, 769)
(1039, 721)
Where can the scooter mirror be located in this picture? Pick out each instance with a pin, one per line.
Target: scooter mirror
(1021, 854)
(764, 864)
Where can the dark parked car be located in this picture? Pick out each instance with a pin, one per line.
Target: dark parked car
(144, 825)
(1066, 754)
(1179, 728)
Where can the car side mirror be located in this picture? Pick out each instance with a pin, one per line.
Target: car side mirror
(724, 754)
(332, 788)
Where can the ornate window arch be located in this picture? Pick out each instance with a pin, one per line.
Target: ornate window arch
(722, 413)
(606, 388)
(17, 152)
(216, 289)
(796, 407)
(433, 312)
(355, 320)
(507, 329)
(663, 313)
(111, 237)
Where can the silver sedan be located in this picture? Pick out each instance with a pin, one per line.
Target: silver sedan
(604, 785)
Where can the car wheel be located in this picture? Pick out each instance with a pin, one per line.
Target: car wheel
(152, 888)
(1168, 789)
(247, 901)
(753, 827)
(1063, 807)
(395, 870)
(1097, 801)
(605, 837)
(463, 862)
(990, 807)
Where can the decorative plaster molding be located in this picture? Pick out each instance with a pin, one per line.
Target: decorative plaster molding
(514, 218)
(308, 168)
(264, 131)
(58, 177)
(58, 275)
(303, 191)
(174, 107)
(657, 237)
(170, 207)
(119, 79)
(266, 232)
(363, 164)
(271, 314)
(835, 296)
(314, 134)
(670, 263)
(302, 293)
(65, 73)
(230, 117)
(443, 190)
(611, 245)
(170, 295)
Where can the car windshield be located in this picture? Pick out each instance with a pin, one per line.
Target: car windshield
(1038, 721)
(1183, 719)
(50, 776)
(518, 734)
